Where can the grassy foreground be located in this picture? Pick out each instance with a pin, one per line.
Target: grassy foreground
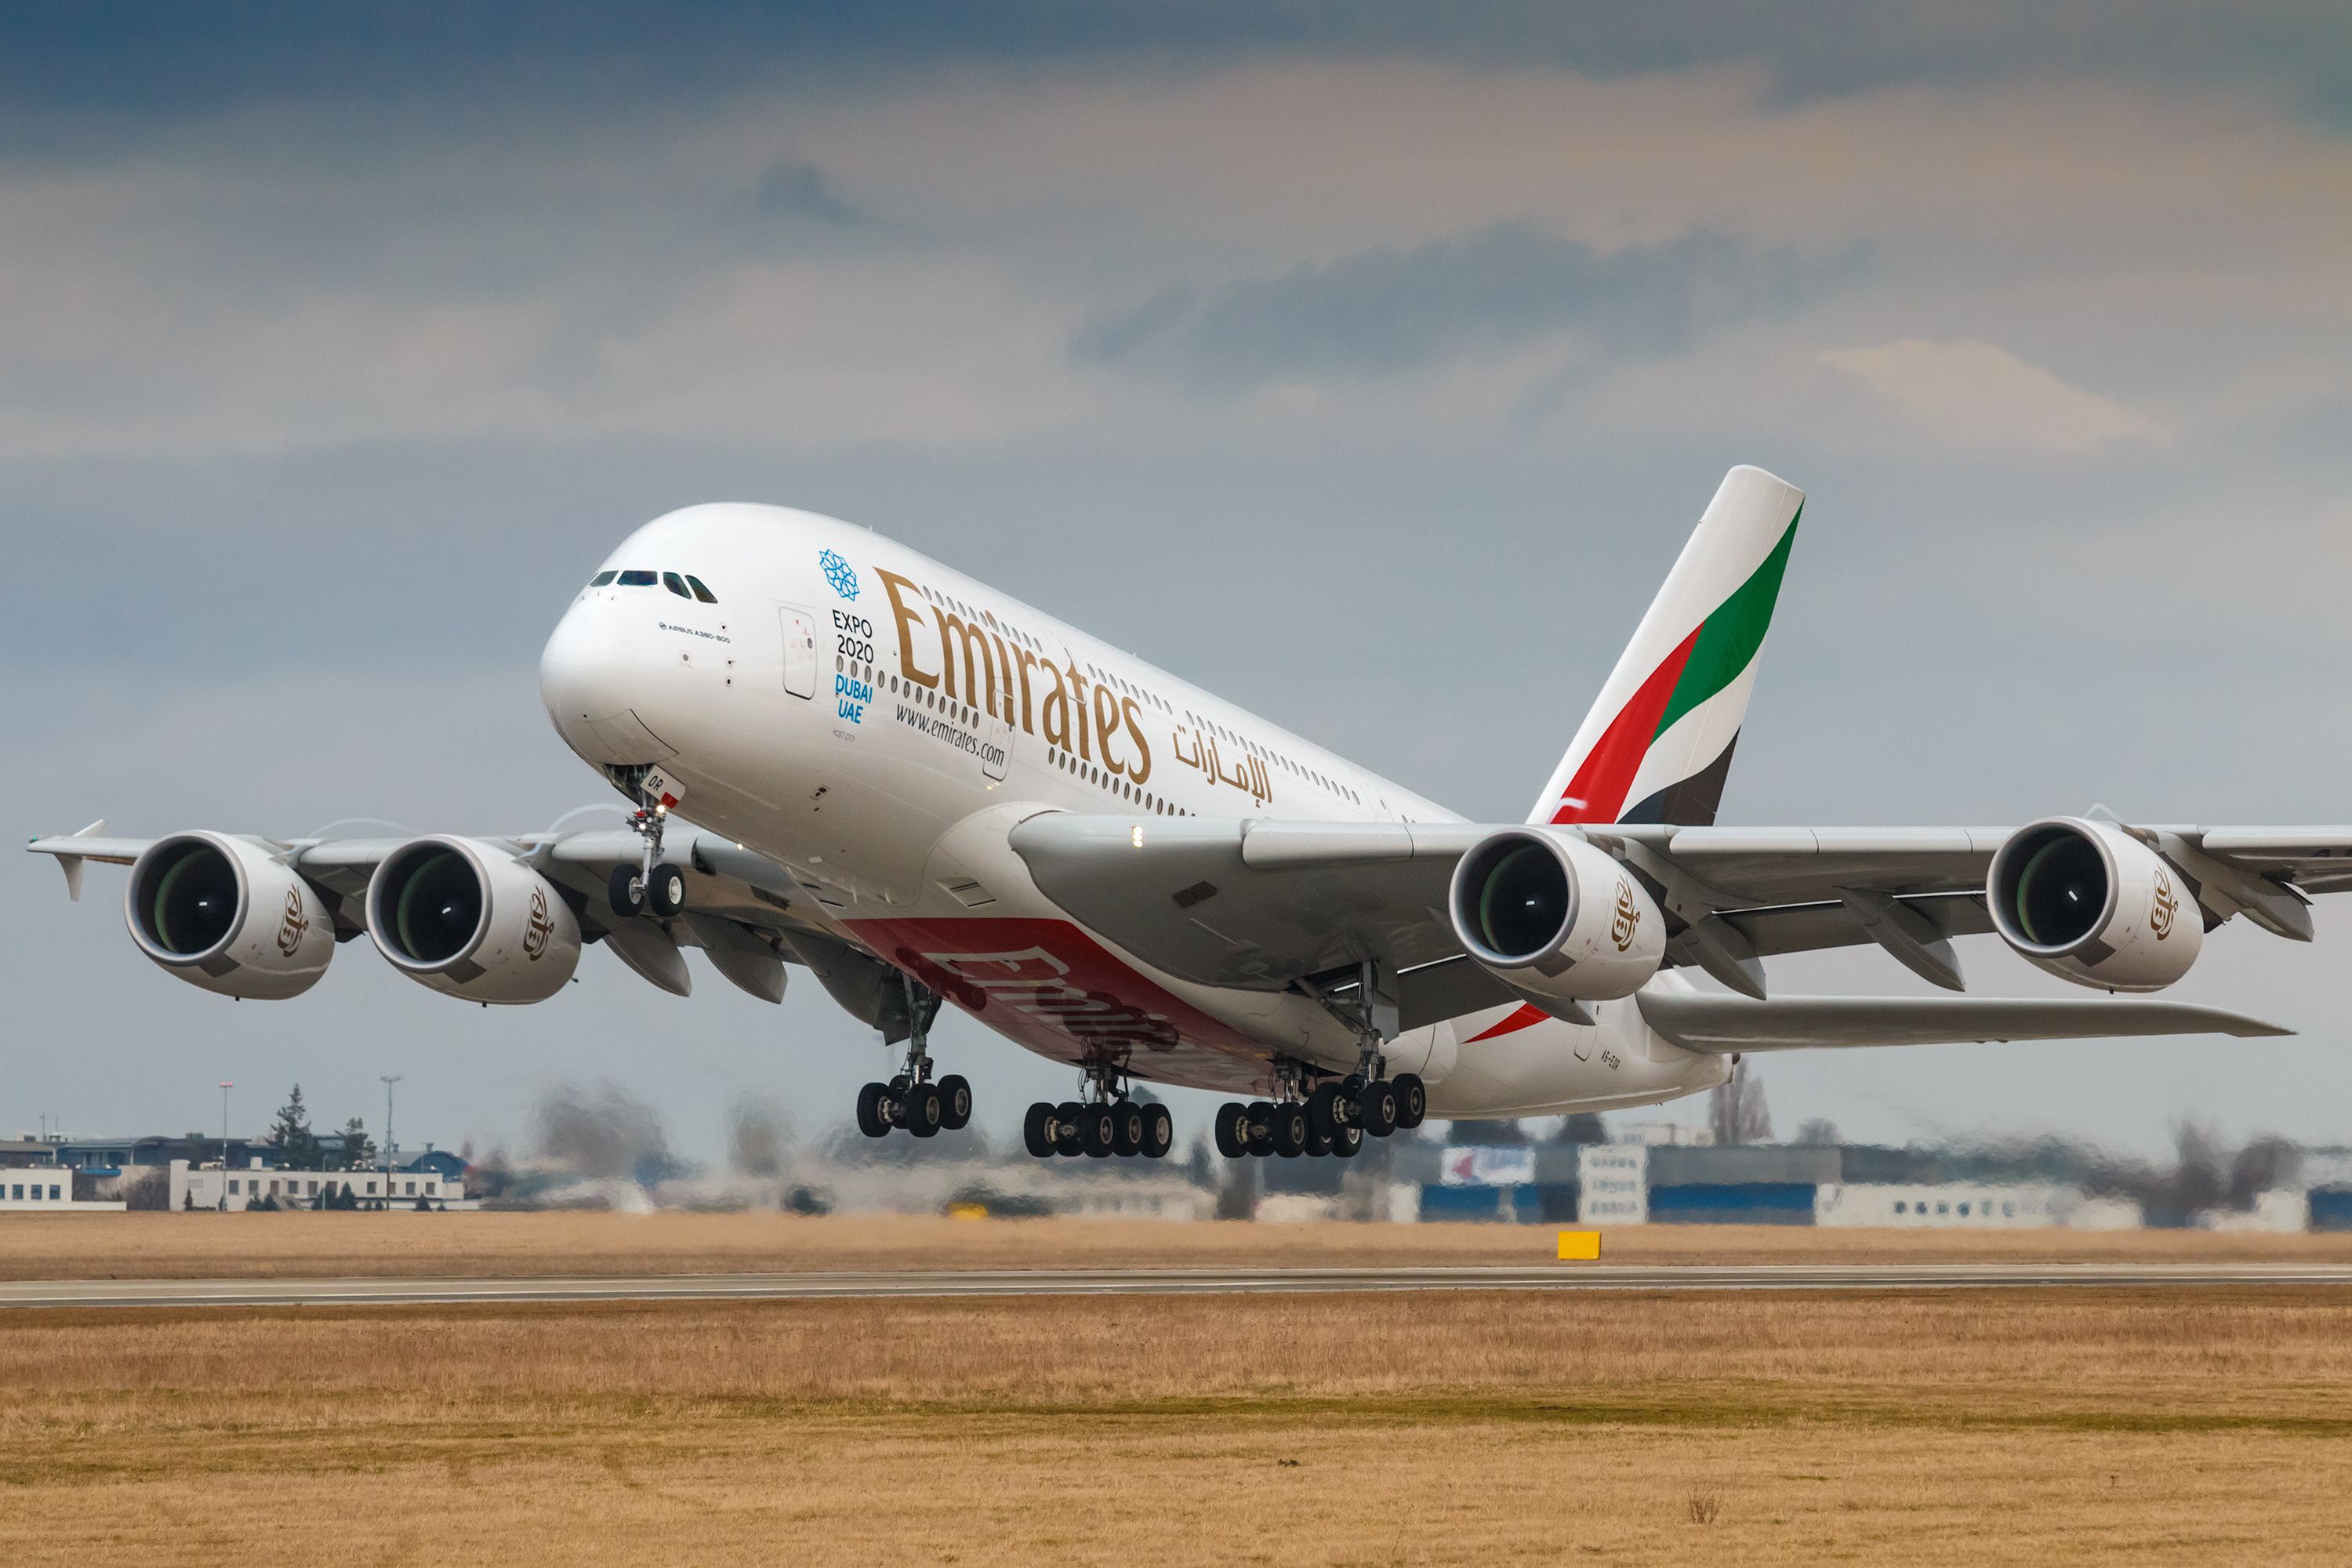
(196, 1246)
(2193, 1425)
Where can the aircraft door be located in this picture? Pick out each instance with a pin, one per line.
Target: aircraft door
(996, 745)
(800, 649)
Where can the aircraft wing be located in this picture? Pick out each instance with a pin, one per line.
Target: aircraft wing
(739, 907)
(1280, 905)
(1707, 1021)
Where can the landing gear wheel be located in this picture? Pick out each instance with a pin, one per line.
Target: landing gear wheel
(665, 891)
(625, 891)
(1412, 1101)
(1159, 1131)
(874, 1111)
(1230, 1129)
(955, 1102)
(1376, 1109)
(1317, 1145)
(1351, 1139)
(921, 1108)
(1066, 1128)
(1324, 1116)
(1096, 1132)
(1125, 1129)
(1287, 1130)
(1037, 1130)
(1261, 1128)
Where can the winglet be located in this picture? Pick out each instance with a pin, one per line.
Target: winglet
(71, 864)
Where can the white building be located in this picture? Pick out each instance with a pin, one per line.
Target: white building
(48, 1189)
(1973, 1205)
(211, 1187)
(1613, 1184)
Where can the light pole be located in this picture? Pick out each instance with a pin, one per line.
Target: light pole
(225, 1087)
(389, 1080)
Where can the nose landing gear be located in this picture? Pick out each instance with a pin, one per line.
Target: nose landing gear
(912, 1099)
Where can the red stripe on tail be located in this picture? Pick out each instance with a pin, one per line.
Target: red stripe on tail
(1597, 793)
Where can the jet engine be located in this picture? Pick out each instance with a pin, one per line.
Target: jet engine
(2089, 903)
(470, 921)
(226, 915)
(1555, 918)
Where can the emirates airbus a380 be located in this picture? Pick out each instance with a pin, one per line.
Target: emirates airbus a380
(925, 791)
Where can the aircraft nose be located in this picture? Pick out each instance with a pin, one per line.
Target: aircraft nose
(593, 680)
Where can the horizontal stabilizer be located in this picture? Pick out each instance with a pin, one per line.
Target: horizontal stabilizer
(1707, 1022)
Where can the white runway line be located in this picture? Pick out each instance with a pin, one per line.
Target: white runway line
(388, 1292)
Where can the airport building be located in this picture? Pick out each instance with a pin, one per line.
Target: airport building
(50, 1189)
(235, 1188)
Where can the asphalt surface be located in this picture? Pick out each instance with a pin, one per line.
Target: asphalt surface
(385, 1292)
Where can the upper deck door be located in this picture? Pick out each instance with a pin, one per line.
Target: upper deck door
(800, 649)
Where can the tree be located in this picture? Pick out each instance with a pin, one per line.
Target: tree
(1736, 1108)
(297, 1146)
(358, 1150)
(1582, 1127)
(1818, 1134)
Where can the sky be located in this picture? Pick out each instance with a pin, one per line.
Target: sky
(1368, 366)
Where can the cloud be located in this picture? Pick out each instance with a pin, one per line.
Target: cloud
(791, 189)
(1390, 312)
(1972, 393)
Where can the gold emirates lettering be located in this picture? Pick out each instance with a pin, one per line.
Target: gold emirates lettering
(1069, 715)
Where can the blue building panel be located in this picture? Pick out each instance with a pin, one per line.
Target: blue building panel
(1439, 1202)
(1744, 1203)
(2331, 1208)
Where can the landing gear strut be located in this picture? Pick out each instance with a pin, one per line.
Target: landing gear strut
(649, 885)
(1314, 1114)
(912, 1099)
(1103, 1123)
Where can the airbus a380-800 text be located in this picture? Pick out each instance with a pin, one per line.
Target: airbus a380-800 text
(840, 753)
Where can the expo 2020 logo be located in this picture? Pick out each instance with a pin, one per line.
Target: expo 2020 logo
(839, 572)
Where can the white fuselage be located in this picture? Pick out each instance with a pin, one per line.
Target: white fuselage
(877, 722)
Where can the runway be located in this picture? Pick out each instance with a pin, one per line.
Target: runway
(397, 1292)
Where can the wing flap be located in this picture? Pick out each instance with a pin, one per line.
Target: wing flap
(1721, 1024)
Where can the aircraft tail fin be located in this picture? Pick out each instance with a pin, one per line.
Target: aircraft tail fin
(1656, 746)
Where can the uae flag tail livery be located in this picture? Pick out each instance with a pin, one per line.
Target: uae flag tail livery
(1657, 744)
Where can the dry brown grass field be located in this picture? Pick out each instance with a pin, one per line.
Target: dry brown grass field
(196, 1246)
(2193, 1425)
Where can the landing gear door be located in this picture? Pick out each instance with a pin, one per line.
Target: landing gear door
(800, 649)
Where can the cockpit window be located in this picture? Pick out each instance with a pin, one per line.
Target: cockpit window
(676, 584)
(601, 578)
(701, 592)
(637, 579)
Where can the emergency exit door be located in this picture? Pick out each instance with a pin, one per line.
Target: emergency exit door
(800, 649)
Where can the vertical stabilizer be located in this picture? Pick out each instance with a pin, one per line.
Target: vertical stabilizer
(1657, 745)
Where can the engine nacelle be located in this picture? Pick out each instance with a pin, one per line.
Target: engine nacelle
(1554, 918)
(225, 914)
(470, 921)
(2089, 903)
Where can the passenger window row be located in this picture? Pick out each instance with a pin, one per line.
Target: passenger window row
(683, 586)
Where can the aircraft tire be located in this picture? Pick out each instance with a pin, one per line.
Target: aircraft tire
(1323, 1112)
(665, 891)
(624, 891)
(1412, 1101)
(955, 1102)
(1376, 1109)
(874, 1111)
(1065, 1130)
(1230, 1129)
(1286, 1129)
(1127, 1128)
(1346, 1146)
(1038, 1130)
(1261, 1128)
(1317, 1145)
(1097, 1131)
(922, 1108)
(1159, 1131)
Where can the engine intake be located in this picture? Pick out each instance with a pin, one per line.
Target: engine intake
(470, 921)
(2089, 903)
(224, 915)
(1555, 918)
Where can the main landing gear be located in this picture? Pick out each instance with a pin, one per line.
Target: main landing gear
(1105, 1122)
(912, 1099)
(1334, 1117)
